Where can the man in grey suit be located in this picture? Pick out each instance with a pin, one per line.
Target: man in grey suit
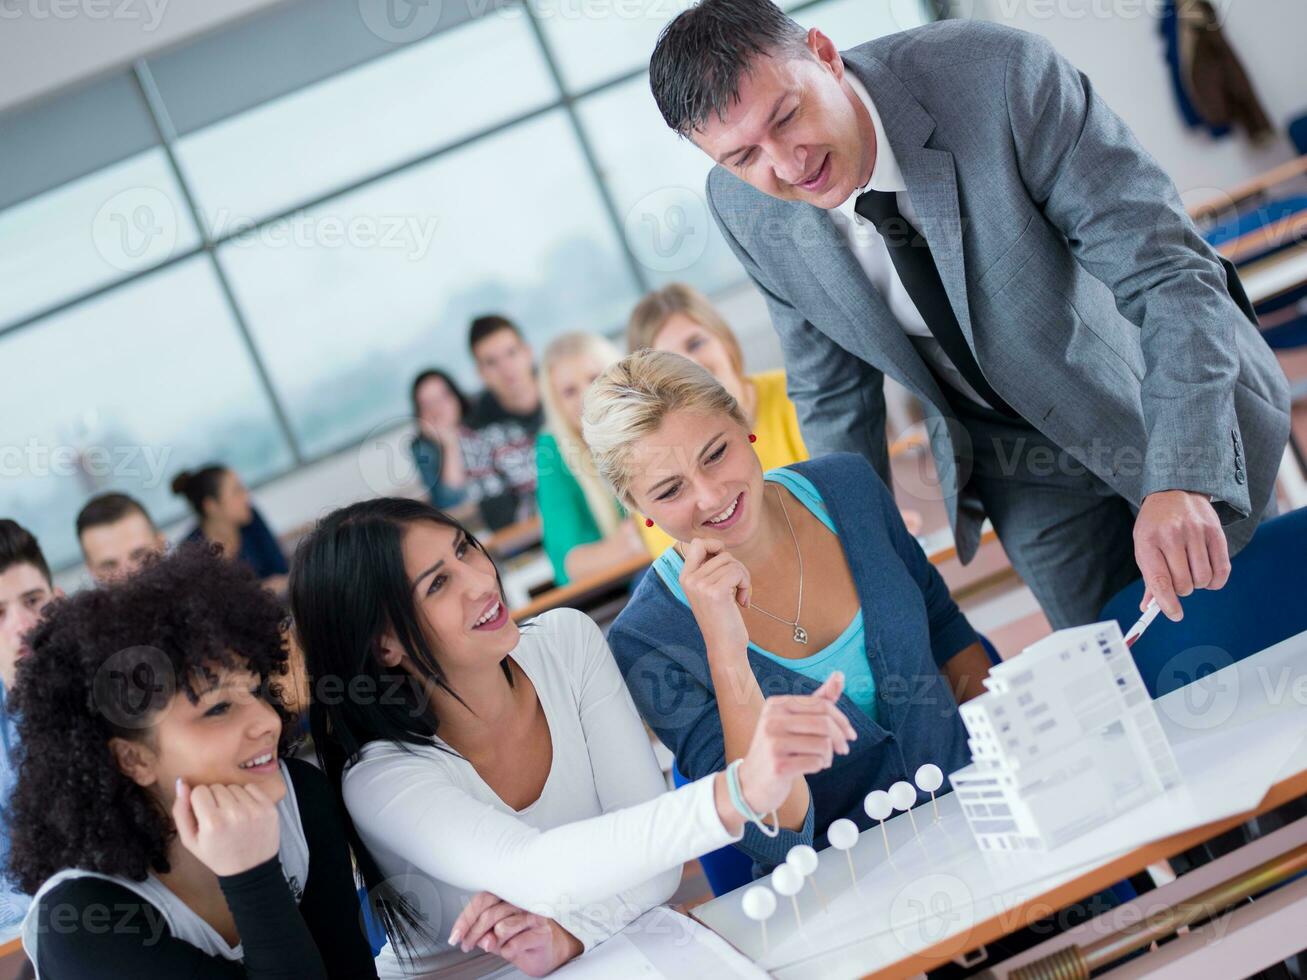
(955, 207)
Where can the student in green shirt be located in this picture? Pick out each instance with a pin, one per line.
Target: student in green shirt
(585, 529)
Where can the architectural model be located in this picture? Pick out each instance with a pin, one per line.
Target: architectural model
(1064, 738)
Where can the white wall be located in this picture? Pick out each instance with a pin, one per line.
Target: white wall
(46, 45)
(1117, 44)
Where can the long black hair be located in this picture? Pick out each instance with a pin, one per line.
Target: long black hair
(464, 406)
(348, 586)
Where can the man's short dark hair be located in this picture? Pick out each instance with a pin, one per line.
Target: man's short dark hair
(483, 326)
(109, 508)
(19, 547)
(703, 54)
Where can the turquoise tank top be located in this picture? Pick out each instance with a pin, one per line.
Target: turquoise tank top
(847, 652)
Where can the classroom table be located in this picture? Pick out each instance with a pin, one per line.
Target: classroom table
(1236, 731)
(938, 545)
(1275, 275)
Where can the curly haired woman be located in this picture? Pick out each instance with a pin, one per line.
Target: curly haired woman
(155, 818)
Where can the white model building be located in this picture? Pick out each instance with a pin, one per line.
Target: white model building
(1064, 738)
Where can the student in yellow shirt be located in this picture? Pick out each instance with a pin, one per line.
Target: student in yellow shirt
(680, 319)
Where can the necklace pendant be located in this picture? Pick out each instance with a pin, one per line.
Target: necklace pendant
(800, 634)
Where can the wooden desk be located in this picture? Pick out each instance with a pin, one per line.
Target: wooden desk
(1286, 231)
(941, 897)
(1250, 189)
(940, 547)
(579, 590)
(1275, 275)
(515, 538)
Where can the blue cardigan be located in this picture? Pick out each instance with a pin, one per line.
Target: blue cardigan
(912, 627)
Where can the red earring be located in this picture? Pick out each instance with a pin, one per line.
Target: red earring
(752, 437)
(648, 522)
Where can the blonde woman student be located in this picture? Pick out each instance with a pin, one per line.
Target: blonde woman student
(779, 580)
(585, 528)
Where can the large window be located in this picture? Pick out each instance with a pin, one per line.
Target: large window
(396, 270)
(121, 393)
(242, 249)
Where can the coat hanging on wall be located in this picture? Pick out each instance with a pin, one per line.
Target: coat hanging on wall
(1210, 83)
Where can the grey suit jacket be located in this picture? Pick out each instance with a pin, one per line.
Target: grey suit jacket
(1091, 303)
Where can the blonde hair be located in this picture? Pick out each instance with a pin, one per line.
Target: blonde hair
(655, 309)
(571, 447)
(631, 399)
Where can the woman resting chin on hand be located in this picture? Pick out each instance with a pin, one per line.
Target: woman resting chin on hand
(155, 785)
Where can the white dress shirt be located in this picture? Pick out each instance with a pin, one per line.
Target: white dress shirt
(870, 250)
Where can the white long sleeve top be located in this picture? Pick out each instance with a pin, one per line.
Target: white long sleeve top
(602, 844)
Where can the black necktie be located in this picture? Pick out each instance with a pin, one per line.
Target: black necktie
(916, 267)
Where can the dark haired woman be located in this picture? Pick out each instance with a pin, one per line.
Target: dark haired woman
(439, 407)
(226, 518)
(153, 786)
(507, 766)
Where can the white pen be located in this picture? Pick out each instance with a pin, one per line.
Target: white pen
(1137, 630)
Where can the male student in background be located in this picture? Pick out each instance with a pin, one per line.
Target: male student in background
(499, 446)
(26, 588)
(117, 536)
(955, 206)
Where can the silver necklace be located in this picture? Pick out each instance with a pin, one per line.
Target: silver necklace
(800, 634)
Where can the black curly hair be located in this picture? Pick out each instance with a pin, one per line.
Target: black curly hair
(104, 662)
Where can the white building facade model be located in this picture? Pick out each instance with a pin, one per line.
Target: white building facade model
(1064, 738)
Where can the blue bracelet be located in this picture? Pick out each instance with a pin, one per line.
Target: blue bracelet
(741, 805)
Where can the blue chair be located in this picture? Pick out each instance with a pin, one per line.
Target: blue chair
(1261, 605)
(728, 868)
(376, 934)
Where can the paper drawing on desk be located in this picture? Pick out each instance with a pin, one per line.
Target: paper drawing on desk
(1064, 738)
(661, 945)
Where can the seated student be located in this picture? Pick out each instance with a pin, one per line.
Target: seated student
(585, 528)
(227, 519)
(778, 579)
(117, 536)
(25, 591)
(154, 783)
(439, 406)
(478, 760)
(680, 319)
(499, 447)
